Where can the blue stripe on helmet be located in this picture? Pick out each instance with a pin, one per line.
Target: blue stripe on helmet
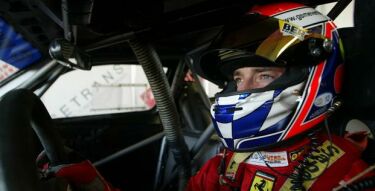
(251, 123)
(277, 92)
(224, 113)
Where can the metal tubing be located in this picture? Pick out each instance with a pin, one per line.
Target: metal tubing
(111, 41)
(160, 164)
(153, 69)
(40, 75)
(206, 135)
(129, 149)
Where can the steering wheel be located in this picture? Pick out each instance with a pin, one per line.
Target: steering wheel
(20, 112)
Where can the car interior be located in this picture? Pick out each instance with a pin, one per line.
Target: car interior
(160, 147)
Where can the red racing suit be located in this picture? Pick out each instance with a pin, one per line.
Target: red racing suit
(270, 170)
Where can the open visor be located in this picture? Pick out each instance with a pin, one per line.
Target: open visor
(259, 42)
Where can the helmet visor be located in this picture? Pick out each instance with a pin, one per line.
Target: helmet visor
(264, 42)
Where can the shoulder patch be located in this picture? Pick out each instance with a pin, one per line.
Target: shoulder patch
(262, 182)
(273, 159)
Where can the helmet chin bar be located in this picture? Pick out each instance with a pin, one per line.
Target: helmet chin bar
(250, 120)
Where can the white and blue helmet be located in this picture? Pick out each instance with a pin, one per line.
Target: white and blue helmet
(288, 35)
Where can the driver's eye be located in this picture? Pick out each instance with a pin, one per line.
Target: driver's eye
(266, 77)
(238, 80)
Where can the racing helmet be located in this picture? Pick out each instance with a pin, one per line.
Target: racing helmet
(291, 36)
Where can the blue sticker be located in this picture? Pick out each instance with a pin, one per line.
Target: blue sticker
(15, 51)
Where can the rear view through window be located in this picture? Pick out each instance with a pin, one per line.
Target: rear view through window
(104, 89)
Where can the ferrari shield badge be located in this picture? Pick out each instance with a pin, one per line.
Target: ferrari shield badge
(262, 182)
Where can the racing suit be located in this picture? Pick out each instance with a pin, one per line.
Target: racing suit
(325, 166)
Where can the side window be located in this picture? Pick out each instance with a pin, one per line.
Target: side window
(102, 90)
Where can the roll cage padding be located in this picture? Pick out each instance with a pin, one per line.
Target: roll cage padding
(21, 110)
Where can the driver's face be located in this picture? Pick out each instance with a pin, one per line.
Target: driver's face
(248, 78)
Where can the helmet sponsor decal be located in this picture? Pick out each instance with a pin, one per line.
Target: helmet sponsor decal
(289, 29)
(302, 17)
(262, 181)
(323, 99)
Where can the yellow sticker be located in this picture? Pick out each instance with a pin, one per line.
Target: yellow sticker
(317, 164)
(289, 29)
(262, 182)
(232, 167)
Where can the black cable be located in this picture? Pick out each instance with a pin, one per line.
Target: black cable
(361, 185)
(297, 178)
(298, 175)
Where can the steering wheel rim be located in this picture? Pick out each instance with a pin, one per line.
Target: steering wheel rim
(20, 111)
